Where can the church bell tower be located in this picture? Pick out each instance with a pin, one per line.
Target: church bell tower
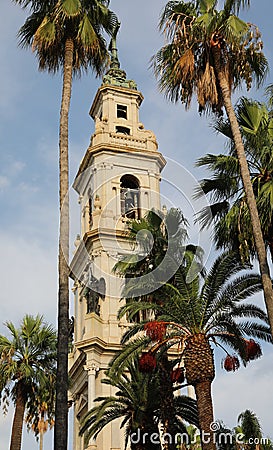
(118, 179)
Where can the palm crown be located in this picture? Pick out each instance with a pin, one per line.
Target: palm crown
(158, 250)
(137, 402)
(203, 40)
(27, 360)
(211, 309)
(52, 23)
(28, 355)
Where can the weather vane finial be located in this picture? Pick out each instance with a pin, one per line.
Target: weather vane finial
(113, 48)
(115, 76)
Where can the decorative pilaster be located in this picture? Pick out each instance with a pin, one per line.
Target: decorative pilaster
(92, 369)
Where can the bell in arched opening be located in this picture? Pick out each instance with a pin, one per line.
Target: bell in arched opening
(129, 197)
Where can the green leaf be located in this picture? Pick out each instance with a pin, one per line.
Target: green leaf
(206, 5)
(86, 34)
(205, 19)
(235, 26)
(70, 8)
(251, 117)
(270, 128)
(45, 34)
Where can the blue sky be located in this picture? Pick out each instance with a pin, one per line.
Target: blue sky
(29, 114)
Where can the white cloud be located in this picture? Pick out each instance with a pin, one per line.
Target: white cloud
(16, 167)
(28, 274)
(4, 182)
(12, 168)
(28, 188)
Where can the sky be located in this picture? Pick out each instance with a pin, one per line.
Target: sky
(29, 114)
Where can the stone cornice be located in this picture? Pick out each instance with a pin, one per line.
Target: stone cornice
(85, 248)
(113, 149)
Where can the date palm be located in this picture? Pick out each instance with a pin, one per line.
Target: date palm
(137, 403)
(27, 359)
(66, 35)
(228, 210)
(211, 53)
(194, 315)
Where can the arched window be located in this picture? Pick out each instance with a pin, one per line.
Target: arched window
(129, 197)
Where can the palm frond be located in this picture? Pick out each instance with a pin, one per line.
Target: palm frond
(208, 214)
(257, 330)
(224, 267)
(128, 354)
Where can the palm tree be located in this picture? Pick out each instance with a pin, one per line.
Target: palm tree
(211, 53)
(229, 212)
(66, 35)
(27, 359)
(40, 409)
(137, 403)
(192, 316)
(250, 428)
(242, 436)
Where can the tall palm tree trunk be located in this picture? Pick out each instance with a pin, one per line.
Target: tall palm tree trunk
(199, 365)
(18, 419)
(250, 197)
(205, 414)
(61, 414)
(41, 440)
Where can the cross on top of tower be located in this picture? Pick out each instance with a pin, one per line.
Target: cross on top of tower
(115, 75)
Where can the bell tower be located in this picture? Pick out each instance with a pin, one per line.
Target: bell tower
(118, 179)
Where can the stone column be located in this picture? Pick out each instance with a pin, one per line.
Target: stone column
(92, 370)
(77, 440)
